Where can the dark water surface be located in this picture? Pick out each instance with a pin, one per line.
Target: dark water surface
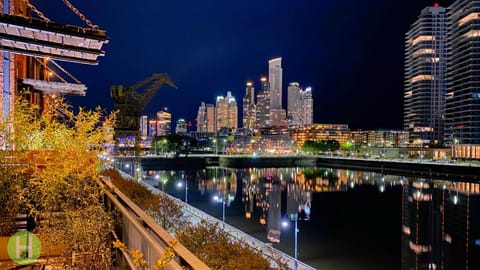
(346, 219)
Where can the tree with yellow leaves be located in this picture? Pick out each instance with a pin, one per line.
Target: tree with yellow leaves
(50, 171)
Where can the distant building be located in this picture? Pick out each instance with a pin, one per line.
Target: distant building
(263, 104)
(425, 68)
(294, 104)
(152, 127)
(226, 112)
(181, 127)
(381, 138)
(164, 122)
(275, 77)
(206, 118)
(319, 132)
(307, 106)
(249, 107)
(299, 105)
(144, 126)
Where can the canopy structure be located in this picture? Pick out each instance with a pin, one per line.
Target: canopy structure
(56, 87)
(35, 37)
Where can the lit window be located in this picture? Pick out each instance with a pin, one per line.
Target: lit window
(423, 51)
(472, 34)
(422, 78)
(469, 17)
(422, 38)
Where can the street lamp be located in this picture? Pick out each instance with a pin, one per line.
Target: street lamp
(294, 217)
(217, 199)
(215, 142)
(186, 188)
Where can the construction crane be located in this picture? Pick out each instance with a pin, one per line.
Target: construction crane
(130, 104)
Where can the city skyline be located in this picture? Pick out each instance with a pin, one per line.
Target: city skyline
(330, 46)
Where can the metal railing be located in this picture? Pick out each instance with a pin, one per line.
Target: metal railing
(274, 255)
(139, 231)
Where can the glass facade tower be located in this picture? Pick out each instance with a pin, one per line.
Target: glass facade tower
(424, 92)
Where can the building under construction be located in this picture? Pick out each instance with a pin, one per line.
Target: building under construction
(31, 43)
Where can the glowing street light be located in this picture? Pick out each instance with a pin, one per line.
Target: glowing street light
(180, 184)
(285, 224)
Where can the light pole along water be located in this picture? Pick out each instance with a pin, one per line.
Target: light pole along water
(294, 217)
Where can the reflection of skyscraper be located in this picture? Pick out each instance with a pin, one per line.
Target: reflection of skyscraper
(274, 213)
(461, 239)
(440, 225)
(421, 226)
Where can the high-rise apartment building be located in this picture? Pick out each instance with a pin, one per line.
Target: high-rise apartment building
(263, 104)
(152, 127)
(299, 105)
(206, 118)
(425, 66)
(294, 104)
(249, 107)
(144, 126)
(227, 112)
(181, 127)
(275, 77)
(463, 65)
(164, 122)
(307, 106)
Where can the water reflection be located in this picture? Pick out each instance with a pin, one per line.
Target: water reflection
(440, 220)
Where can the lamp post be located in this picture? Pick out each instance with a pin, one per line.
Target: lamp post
(215, 142)
(295, 254)
(217, 199)
(186, 188)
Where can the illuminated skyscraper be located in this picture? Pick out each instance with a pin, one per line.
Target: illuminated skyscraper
(294, 104)
(144, 126)
(275, 73)
(300, 105)
(275, 77)
(424, 96)
(263, 104)
(227, 112)
(164, 122)
(249, 108)
(181, 126)
(463, 64)
(307, 106)
(206, 118)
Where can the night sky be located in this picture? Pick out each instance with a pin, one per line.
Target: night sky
(350, 52)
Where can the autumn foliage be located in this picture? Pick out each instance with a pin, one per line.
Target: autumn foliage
(49, 171)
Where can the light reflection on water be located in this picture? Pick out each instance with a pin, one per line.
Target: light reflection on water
(347, 219)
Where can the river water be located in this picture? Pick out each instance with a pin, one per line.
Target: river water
(346, 219)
